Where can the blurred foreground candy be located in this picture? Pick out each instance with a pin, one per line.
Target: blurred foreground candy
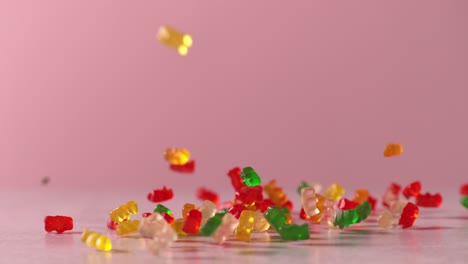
(188, 167)
(95, 240)
(124, 211)
(175, 39)
(393, 149)
(128, 227)
(205, 194)
(464, 201)
(294, 232)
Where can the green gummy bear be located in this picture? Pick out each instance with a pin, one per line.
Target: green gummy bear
(250, 177)
(353, 216)
(464, 201)
(211, 225)
(303, 184)
(294, 232)
(276, 217)
(162, 209)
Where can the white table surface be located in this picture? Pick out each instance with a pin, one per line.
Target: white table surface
(439, 235)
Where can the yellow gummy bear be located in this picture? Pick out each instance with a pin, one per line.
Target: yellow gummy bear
(177, 156)
(187, 208)
(173, 38)
(96, 240)
(124, 211)
(334, 192)
(177, 226)
(246, 224)
(128, 227)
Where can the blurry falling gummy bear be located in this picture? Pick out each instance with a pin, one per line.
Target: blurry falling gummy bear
(170, 37)
(393, 149)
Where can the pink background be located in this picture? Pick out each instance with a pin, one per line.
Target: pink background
(297, 89)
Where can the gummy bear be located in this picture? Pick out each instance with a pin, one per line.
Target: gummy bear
(385, 219)
(276, 217)
(412, 190)
(175, 39)
(212, 225)
(155, 227)
(205, 194)
(393, 149)
(361, 196)
(192, 222)
(187, 208)
(177, 156)
(309, 201)
(391, 194)
(353, 216)
(227, 227)
(275, 193)
(249, 195)
(188, 167)
(260, 223)
(124, 211)
(428, 200)
(98, 241)
(208, 210)
(237, 209)
(128, 227)
(345, 204)
(334, 192)
(409, 215)
(161, 209)
(246, 224)
(250, 177)
(236, 179)
(294, 232)
(464, 189)
(464, 201)
(160, 195)
(58, 223)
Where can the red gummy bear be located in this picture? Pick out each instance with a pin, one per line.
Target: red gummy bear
(112, 225)
(249, 195)
(408, 215)
(168, 217)
(464, 189)
(205, 194)
(412, 190)
(263, 206)
(394, 188)
(303, 215)
(428, 200)
(160, 195)
(372, 201)
(144, 215)
(192, 223)
(237, 209)
(289, 205)
(188, 167)
(236, 180)
(345, 204)
(58, 223)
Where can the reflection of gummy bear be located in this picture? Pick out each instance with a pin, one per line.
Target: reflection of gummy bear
(177, 156)
(393, 149)
(96, 240)
(175, 39)
(124, 211)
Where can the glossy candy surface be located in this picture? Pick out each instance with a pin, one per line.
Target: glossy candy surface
(58, 223)
(96, 240)
(409, 215)
(246, 225)
(124, 211)
(192, 222)
(250, 177)
(160, 195)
